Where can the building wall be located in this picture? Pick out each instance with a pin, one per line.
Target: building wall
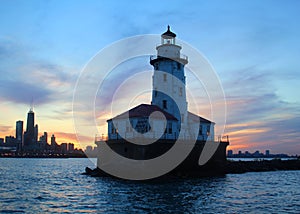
(169, 91)
(206, 132)
(64, 147)
(168, 50)
(169, 87)
(123, 127)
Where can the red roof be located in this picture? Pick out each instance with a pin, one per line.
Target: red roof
(144, 110)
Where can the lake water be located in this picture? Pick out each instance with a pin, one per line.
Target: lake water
(56, 185)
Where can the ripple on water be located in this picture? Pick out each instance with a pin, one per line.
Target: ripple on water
(56, 185)
(12, 211)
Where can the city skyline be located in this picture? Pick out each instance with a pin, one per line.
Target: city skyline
(30, 139)
(253, 47)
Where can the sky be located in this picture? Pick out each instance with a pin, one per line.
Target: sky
(253, 46)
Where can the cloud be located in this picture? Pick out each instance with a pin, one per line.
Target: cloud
(72, 136)
(21, 92)
(257, 117)
(25, 77)
(5, 129)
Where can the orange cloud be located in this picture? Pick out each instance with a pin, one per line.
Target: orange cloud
(6, 131)
(248, 131)
(242, 137)
(72, 138)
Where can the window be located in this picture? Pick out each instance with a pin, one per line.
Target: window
(142, 125)
(200, 130)
(164, 104)
(182, 118)
(170, 128)
(208, 130)
(180, 91)
(165, 77)
(113, 129)
(155, 92)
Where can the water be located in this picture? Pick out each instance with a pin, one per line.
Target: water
(56, 185)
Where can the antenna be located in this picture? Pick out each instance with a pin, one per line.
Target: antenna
(31, 105)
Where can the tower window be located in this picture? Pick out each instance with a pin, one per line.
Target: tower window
(165, 77)
(164, 104)
(180, 91)
(155, 93)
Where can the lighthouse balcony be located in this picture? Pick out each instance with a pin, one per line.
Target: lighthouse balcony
(183, 59)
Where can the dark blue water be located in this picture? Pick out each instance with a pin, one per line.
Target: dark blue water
(56, 185)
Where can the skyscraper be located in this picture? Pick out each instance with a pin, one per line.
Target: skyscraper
(46, 137)
(19, 134)
(36, 133)
(53, 142)
(71, 147)
(29, 134)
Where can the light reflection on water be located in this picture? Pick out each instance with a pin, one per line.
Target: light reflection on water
(56, 185)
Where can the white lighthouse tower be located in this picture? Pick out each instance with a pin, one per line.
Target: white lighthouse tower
(169, 79)
(168, 97)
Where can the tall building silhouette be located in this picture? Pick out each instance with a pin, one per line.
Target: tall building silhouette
(53, 142)
(36, 133)
(45, 137)
(19, 134)
(29, 134)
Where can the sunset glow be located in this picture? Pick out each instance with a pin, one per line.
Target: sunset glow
(254, 51)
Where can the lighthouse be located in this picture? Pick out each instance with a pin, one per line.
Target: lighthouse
(168, 97)
(169, 91)
(147, 140)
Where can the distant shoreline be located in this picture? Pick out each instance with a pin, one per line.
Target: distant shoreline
(234, 167)
(47, 156)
